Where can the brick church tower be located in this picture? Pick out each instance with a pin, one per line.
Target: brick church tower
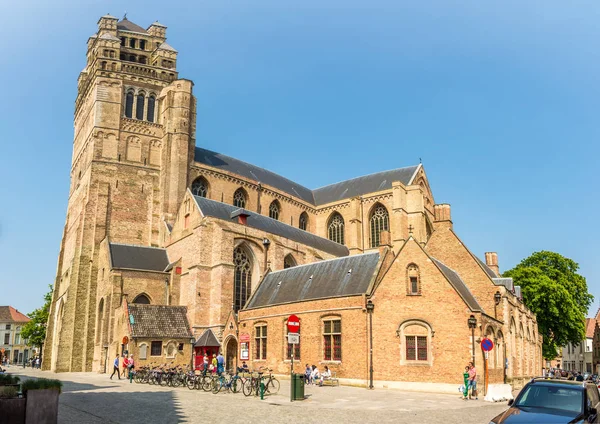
(133, 144)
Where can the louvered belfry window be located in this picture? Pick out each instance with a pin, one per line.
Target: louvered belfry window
(335, 228)
(380, 221)
(242, 278)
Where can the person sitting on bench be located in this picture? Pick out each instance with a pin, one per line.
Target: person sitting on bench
(325, 375)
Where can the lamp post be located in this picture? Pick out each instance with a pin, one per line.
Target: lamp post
(472, 322)
(370, 308)
(497, 299)
(192, 341)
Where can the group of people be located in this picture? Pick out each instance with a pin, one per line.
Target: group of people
(314, 376)
(128, 367)
(470, 382)
(214, 365)
(33, 362)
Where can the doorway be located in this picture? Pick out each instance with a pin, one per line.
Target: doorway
(231, 354)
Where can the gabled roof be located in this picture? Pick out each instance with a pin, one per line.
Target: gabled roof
(486, 268)
(346, 276)
(330, 193)
(127, 25)
(363, 185)
(145, 258)
(165, 46)
(590, 326)
(207, 339)
(458, 285)
(10, 314)
(158, 321)
(264, 223)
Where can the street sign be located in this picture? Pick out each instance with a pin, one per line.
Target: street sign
(293, 324)
(487, 344)
(293, 338)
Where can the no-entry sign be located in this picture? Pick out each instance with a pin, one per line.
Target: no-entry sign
(487, 344)
(293, 324)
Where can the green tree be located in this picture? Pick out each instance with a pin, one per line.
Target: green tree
(557, 294)
(35, 330)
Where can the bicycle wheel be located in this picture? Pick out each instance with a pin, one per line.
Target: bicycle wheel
(272, 386)
(175, 381)
(216, 385)
(236, 385)
(207, 383)
(248, 386)
(191, 383)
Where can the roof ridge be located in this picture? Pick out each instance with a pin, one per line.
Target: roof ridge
(326, 260)
(366, 175)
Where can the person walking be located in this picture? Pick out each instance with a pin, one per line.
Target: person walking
(220, 363)
(204, 364)
(472, 381)
(130, 367)
(116, 368)
(307, 373)
(466, 383)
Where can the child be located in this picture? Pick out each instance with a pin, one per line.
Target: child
(466, 383)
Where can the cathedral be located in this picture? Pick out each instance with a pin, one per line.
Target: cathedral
(170, 251)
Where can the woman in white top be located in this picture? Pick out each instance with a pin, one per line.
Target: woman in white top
(315, 374)
(325, 375)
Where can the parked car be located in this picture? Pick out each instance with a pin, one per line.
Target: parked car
(553, 401)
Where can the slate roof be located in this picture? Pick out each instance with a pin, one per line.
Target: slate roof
(207, 339)
(330, 193)
(127, 25)
(264, 223)
(159, 321)
(165, 46)
(486, 268)
(138, 257)
(518, 292)
(10, 314)
(459, 285)
(345, 276)
(506, 282)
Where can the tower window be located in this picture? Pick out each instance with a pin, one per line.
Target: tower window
(129, 105)
(132, 43)
(139, 107)
(103, 65)
(150, 113)
(143, 44)
(379, 222)
(335, 228)
(123, 41)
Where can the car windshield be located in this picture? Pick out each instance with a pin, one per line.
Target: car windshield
(542, 396)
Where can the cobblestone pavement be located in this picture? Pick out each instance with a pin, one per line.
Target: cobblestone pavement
(93, 398)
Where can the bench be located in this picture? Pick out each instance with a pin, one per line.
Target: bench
(331, 381)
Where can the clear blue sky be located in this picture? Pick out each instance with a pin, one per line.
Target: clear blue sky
(499, 99)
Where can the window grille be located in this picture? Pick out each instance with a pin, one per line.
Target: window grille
(242, 278)
(332, 340)
(335, 229)
(274, 210)
(380, 221)
(239, 198)
(200, 187)
(261, 342)
(416, 348)
(156, 348)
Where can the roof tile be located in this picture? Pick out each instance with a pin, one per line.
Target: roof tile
(159, 321)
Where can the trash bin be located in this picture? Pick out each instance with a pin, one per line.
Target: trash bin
(298, 386)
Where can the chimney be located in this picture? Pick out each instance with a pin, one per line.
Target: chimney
(442, 216)
(385, 240)
(491, 260)
(241, 215)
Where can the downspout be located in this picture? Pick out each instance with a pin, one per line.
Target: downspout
(362, 223)
(258, 208)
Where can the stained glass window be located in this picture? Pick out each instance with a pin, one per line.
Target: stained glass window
(335, 228)
(380, 221)
(239, 198)
(200, 187)
(242, 278)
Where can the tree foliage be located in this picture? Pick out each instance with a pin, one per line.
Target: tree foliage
(557, 294)
(35, 330)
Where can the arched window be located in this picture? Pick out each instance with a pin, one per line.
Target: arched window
(150, 113)
(239, 198)
(415, 340)
(274, 209)
(242, 278)
(139, 107)
(289, 262)
(335, 228)
(141, 299)
(303, 221)
(200, 187)
(103, 64)
(413, 280)
(129, 105)
(100, 320)
(380, 221)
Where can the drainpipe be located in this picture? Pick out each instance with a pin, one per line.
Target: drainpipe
(258, 208)
(167, 291)
(362, 223)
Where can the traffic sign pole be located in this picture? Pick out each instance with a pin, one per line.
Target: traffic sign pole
(293, 325)
(486, 346)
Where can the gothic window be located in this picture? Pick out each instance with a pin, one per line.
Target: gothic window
(332, 340)
(239, 198)
(139, 107)
(379, 221)
(303, 221)
(100, 320)
(200, 187)
(335, 228)
(129, 105)
(274, 210)
(289, 262)
(150, 112)
(143, 44)
(414, 282)
(242, 278)
(141, 299)
(260, 341)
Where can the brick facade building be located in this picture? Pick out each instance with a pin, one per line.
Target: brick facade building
(153, 219)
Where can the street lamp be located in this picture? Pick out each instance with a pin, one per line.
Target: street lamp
(497, 299)
(370, 308)
(472, 322)
(192, 341)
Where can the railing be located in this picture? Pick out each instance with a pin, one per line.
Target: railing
(147, 71)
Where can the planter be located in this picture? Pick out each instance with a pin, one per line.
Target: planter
(12, 411)
(42, 406)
